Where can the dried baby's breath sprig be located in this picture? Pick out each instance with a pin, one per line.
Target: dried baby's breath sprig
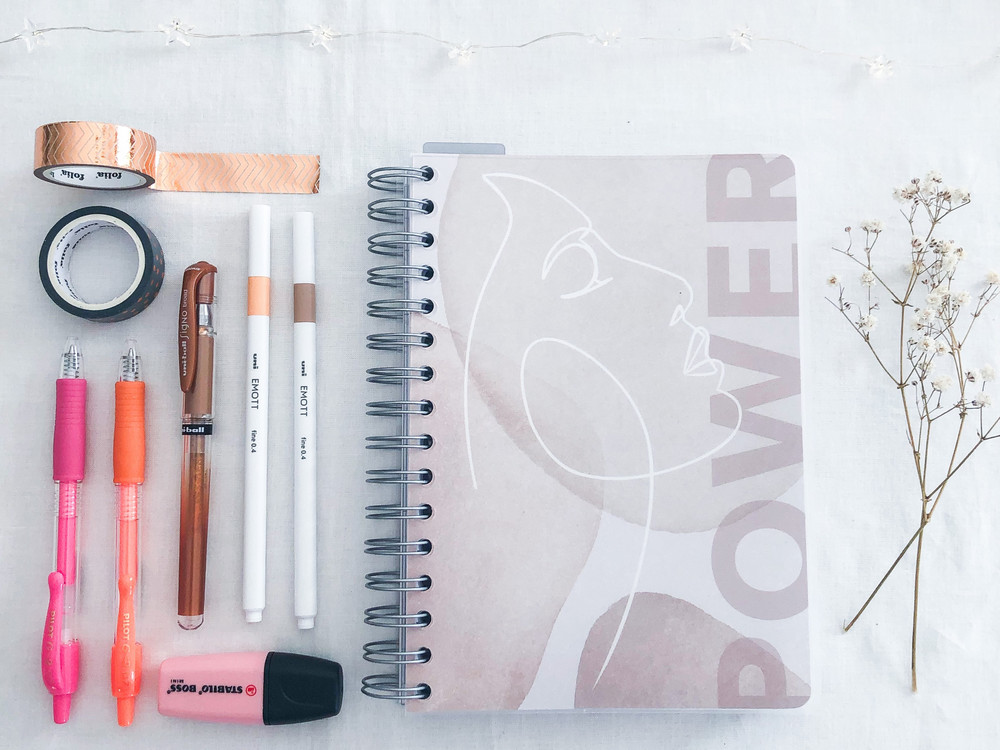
(926, 361)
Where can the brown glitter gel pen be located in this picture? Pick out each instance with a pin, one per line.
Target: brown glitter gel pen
(196, 359)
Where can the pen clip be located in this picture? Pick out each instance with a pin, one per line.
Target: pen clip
(126, 654)
(197, 288)
(52, 653)
(60, 661)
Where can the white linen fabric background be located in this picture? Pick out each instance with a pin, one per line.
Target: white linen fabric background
(372, 101)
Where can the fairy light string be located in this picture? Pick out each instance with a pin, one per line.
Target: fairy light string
(739, 40)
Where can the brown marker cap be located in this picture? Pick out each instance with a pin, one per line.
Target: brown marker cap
(197, 287)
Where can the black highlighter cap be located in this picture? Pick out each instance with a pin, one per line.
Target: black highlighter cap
(301, 688)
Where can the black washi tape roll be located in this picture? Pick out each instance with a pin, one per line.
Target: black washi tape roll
(66, 235)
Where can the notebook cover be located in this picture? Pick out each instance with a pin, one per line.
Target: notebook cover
(617, 459)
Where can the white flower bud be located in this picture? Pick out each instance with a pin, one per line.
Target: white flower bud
(941, 383)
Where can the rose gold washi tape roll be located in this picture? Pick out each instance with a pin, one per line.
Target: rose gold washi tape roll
(104, 156)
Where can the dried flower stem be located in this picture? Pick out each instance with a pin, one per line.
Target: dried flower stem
(936, 494)
(899, 557)
(932, 267)
(916, 598)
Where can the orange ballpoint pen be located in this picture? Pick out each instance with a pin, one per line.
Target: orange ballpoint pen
(129, 474)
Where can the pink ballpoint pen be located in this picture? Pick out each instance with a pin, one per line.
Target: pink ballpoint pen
(60, 651)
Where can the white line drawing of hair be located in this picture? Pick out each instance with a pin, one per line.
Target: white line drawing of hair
(650, 475)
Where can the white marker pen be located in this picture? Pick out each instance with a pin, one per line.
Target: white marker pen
(304, 420)
(255, 474)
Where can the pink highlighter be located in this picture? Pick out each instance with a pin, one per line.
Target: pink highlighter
(60, 650)
(258, 687)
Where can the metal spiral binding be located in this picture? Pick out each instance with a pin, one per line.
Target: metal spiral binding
(392, 546)
(391, 616)
(396, 342)
(388, 581)
(400, 442)
(399, 476)
(392, 512)
(423, 407)
(395, 179)
(397, 276)
(397, 244)
(398, 375)
(397, 209)
(385, 652)
(400, 309)
(404, 276)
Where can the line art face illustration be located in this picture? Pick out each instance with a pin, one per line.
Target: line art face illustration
(582, 246)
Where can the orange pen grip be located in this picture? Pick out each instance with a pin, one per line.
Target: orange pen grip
(130, 432)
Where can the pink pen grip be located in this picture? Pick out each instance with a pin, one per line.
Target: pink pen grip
(69, 440)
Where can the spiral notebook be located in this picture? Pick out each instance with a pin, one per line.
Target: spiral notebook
(593, 371)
